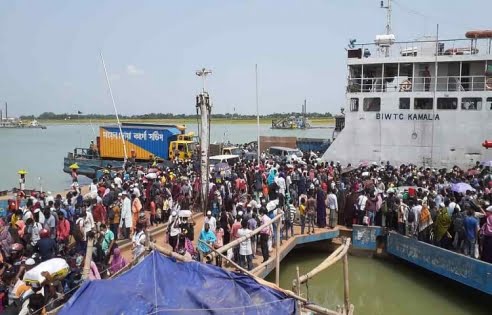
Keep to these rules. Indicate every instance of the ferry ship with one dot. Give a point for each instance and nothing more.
(426, 102)
(15, 123)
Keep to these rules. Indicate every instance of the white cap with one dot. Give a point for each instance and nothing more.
(489, 209)
(442, 205)
(30, 262)
(209, 212)
(174, 213)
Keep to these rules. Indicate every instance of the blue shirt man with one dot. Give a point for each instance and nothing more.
(471, 228)
(207, 236)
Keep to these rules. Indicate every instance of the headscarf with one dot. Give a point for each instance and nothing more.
(487, 226)
(443, 222)
(118, 262)
(425, 219)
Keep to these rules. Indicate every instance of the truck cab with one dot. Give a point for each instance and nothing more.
(231, 151)
(181, 149)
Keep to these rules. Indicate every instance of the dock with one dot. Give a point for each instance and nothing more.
(260, 269)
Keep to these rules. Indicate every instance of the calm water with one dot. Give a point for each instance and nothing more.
(383, 287)
(41, 152)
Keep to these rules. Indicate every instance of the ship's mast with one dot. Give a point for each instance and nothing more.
(388, 21)
(204, 107)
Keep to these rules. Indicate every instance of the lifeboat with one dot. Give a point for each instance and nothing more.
(487, 144)
(479, 34)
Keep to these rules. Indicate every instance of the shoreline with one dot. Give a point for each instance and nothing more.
(180, 121)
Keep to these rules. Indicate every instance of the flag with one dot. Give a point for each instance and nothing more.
(79, 112)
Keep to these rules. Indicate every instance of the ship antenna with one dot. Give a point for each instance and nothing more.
(388, 15)
(115, 110)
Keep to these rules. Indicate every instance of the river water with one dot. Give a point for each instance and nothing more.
(376, 286)
(41, 152)
(382, 287)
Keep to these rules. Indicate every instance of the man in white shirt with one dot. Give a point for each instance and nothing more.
(118, 181)
(138, 241)
(212, 222)
(361, 207)
(174, 229)
(126, 215)
(265, 234)
(332, 204)
(280, 181)
(245, 250)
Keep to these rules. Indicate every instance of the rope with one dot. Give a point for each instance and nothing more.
(234, 308)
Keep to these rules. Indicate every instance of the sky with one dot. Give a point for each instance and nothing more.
(50, 51)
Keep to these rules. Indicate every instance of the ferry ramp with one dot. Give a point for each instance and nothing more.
(260, 268)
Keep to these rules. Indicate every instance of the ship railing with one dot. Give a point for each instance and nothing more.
(449, 47)
(475, 83)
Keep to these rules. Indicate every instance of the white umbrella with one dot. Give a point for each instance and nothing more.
(151, 176)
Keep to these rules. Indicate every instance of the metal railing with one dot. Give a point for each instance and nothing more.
(420, 84)
(450, 47)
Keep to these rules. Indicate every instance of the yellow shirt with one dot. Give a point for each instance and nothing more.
(302, 209)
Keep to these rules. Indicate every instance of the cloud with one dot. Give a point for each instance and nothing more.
(133, 70)
(114, 77)
(67, 84)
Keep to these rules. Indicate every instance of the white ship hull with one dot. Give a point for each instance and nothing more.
(435, 138)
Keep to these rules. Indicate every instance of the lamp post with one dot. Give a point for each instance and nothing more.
(204, 107)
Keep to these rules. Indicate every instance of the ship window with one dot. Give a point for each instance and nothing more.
(447, 103)
(354, 104)
(423, 103)
(404, 103)
(489, 103)
(372, 104)
(471, 103)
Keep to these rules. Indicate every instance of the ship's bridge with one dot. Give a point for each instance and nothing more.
(463, 65)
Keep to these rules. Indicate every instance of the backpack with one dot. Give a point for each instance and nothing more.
(110, 214)
(411, 216)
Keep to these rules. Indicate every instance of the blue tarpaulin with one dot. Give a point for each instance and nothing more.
(160, 285)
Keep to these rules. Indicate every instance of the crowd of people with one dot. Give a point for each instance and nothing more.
(449, 208)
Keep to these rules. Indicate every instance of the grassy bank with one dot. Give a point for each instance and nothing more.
(185, 121)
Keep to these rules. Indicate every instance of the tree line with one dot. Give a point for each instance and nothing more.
(66, 116)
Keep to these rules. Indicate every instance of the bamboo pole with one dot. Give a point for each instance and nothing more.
(346, 283)
(305, 303)
(88, 256)
(169, 252)
(333, 258)
(277, 255)
(243, 238)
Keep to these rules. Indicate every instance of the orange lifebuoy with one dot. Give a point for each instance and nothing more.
(406, 86)
(487, 144)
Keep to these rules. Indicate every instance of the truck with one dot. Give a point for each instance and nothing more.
(144, 143)
(223, 149)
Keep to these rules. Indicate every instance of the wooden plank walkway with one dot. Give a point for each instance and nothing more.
(260, 269)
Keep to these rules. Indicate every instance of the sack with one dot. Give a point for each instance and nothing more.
(411, 216)
(78, 235)
(476, 254)
(57, 268)
(230, 254)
